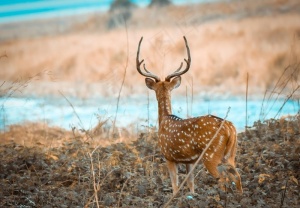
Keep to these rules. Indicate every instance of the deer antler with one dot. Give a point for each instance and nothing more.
(138, 65)
(188, 64)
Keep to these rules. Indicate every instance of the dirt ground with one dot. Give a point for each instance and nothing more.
(75, 170)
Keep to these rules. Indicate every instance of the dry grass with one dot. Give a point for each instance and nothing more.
(246, 36)
(35, 134)
(79, 172)
(42, 166)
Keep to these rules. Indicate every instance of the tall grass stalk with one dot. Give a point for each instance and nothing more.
(16, 86)
(74, 111)
(261, 113)
(246, 119)
(95, 185)
(187, 101)
(192, 97)
(283, 194)
(287, 99)
(278, 90)
(122, 191)
(123, 79)
(148, 109)
(191, 85)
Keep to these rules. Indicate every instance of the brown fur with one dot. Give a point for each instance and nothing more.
(183, 140)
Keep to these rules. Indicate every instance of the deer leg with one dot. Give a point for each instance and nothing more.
(233, 177)
(190, 181)
(172, 167)
(212, 168)
(217, 172)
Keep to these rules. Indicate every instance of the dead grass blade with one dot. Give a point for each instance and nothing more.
(123, 79)
(287, 77)
(283, 194)
(246, 119)
(74, 111)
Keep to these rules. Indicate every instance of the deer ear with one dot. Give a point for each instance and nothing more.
(176, 82)
(150, 83)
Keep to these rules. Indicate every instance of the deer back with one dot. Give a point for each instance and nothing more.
(183, 140)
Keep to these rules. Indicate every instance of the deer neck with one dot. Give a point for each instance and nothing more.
(164, 107)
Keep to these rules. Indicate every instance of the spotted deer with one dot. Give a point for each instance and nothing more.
(183, 140)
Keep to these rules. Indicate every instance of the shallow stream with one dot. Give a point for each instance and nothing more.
(67, 112)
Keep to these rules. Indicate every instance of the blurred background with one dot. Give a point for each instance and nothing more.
(72, 63)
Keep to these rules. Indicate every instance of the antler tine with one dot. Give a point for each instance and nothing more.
(187, 61)
(179, 67)
(139, 63)
(146, 70)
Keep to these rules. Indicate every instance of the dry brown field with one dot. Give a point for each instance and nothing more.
(46, 166)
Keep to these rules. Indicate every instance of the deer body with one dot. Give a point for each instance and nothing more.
(183, 140)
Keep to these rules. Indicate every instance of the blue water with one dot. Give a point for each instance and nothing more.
(17, 10)
(84, 113)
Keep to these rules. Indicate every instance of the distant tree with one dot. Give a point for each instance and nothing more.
(159, 3)
(120, 11)
(121, 5)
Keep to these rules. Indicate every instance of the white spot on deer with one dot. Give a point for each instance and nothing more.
(220, 142)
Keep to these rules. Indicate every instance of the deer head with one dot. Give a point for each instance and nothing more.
(163, 88)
